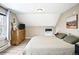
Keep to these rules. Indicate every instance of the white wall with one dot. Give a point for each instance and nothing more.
(12, 17)
(39, 19)
(36, 22)
(38, 30)
(61, 25)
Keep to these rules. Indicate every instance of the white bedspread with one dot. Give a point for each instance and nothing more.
(44, 45)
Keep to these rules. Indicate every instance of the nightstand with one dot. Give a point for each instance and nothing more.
(77, 48)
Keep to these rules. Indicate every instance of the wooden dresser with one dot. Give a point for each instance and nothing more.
(17, 36)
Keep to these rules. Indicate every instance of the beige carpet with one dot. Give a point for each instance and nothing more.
(16, 50)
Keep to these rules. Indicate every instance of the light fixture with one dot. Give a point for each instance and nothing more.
(40, 10)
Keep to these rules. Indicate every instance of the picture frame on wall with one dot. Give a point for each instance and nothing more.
(72, 22)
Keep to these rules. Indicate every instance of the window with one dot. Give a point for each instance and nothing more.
(3, 25)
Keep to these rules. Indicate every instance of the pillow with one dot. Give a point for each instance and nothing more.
(61, 35)
(71, 39)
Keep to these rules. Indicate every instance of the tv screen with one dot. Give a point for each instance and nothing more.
(48, 29)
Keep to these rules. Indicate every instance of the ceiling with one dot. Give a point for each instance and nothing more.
(34, 7)
(39, 14)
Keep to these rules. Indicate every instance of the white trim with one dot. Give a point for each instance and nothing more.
(8, 25)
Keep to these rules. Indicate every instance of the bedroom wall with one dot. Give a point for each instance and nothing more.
(36, 22)
(39, 19)
(12, 17)
(61, 25)
(37, 30)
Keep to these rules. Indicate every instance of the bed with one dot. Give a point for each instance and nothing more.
(46, 45)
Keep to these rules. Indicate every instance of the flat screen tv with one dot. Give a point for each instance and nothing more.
(46, 30)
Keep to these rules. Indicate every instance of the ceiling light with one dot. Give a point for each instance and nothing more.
(40, 10)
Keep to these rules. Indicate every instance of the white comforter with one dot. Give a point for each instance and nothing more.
(44, 45)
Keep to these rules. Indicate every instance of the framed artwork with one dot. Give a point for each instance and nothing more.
(72, 22)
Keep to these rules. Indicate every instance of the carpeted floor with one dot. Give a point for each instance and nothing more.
(16, 50)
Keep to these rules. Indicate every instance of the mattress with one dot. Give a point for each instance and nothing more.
(45, 45)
